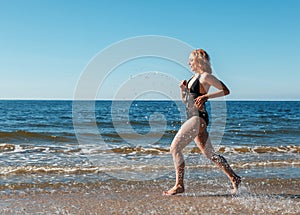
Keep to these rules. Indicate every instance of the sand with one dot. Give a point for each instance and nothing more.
(256, 196)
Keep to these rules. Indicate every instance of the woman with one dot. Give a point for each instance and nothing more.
(194, 94)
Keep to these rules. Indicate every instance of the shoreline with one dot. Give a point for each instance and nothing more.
(256, 196)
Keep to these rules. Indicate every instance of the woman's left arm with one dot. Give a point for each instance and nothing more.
(212, 81)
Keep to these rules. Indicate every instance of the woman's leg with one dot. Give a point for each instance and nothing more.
(205, 146)
(188, 131)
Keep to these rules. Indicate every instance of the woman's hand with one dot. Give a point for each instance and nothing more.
(183, 89)
(200, 100)
(182, 85)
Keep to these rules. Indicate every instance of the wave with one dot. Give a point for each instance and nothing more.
(20, 170)
(261, 149)
(21, 134)
(140, 150)
(223, 149)
(9, 147)
(253, 164)
(235, 150)
(134, 135)
(270, 163)
(79, 170)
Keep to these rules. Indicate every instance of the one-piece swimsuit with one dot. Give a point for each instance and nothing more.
(194, 92)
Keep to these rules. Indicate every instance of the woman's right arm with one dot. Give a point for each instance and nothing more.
(183, 90)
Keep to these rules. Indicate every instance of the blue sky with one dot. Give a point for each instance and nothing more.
(46, 44)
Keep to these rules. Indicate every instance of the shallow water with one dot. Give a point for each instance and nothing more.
(256, 196)
(130, 140)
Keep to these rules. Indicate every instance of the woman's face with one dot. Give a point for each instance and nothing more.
(194, 65)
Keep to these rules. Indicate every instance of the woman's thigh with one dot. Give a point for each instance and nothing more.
(203, 142)
(188, 131)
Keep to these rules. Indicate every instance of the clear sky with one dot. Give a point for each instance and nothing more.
(46, 44)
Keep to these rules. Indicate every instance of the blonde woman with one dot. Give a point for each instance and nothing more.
(194, 94)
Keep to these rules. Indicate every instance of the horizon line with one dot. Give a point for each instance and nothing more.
(61, 99)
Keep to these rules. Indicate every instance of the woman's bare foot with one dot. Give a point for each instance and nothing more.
(235, 183)
(175, 190)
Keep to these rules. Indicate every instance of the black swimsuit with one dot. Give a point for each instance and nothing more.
(194, 92)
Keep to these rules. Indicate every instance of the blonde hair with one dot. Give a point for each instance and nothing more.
(203, 58)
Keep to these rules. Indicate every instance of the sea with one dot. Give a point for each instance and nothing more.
(49, 145)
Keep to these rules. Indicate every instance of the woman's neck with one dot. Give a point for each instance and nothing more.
(200, 71)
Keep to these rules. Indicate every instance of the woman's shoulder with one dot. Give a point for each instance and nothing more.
(207, 78)
(205, 75)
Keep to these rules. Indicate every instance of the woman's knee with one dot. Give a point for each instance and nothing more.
(174, 149)
(202, 138)
(205, 147)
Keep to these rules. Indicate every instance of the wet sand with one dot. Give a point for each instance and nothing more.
(256, 196)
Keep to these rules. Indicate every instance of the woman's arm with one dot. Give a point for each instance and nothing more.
(212, 81)
(183, 90)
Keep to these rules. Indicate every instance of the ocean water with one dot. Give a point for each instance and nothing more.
(48, 144)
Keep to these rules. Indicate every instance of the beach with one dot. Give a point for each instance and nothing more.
(256, 196)
(102, 160)
(107, 106)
